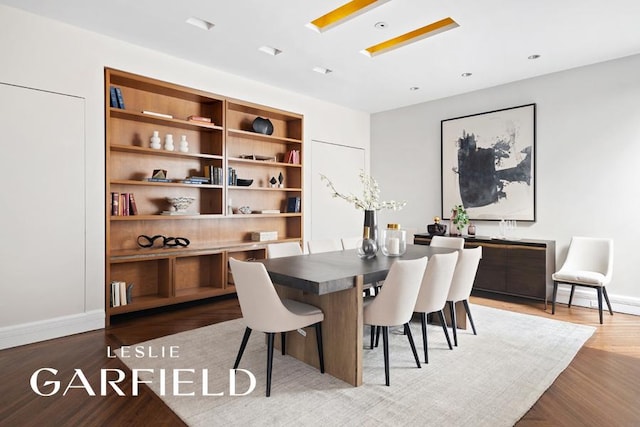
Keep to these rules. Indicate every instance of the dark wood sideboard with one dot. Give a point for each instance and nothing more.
(521, 268)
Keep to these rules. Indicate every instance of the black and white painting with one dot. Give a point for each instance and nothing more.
(488, 164)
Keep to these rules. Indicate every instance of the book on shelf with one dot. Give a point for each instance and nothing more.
(123, 204)
(159, 180)
(233, 177)
(292, 156)
(113, 97)
(119, 98)
(121, 293)
(213, 174)
(268, 211)
(115, 203)
(200, 119)
(133, 208)
(153, 113)
(293, 204)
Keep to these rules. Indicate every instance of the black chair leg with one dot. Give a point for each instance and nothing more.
(573, 288)
(373, 332)
(320, 349)
(407, 331)
(606, 298)
(385, 346)
(468, 310)
(377, 335)
(270, 339)
(553, 299)
(454, 325)
(600, 304)
(283, 342)
(245, 339)
(443, 322)
(423, 321)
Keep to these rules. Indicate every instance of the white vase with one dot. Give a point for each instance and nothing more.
(168, 142)
(155, 141)
(184, 144)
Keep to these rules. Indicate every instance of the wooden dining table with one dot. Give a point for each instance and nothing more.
(334, 282)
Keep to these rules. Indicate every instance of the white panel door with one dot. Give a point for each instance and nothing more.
(333, 217)
(42, 207)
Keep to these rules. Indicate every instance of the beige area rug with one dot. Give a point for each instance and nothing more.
(491, 379)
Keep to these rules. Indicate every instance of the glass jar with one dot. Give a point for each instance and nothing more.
(393, 240)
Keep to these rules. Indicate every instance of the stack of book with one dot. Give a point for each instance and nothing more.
(121, 293)
(200, 119)
(123, 204)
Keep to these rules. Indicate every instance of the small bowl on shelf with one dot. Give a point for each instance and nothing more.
(180, 203)
(244, 182)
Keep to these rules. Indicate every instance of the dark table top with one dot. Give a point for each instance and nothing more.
(327, 272)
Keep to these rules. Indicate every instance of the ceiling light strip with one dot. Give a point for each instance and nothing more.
(411, 37)
(343, 13)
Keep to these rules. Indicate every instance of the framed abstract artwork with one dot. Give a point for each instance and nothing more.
(488, 164)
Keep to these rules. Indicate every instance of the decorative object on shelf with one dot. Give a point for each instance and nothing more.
(262, 125)
(199, 119)
(258, 157)
(273, 181)
(368, 247)
(459, 220)
(155, 142)
(437, 229)
(229, 207)
(168, 142)
(180, 204)
(243, 182)
(369, 202)
(184, 144)
(471, 230)
(280, 180)
(171, 242)
(393, 241)
(246, 210)
(264, 236)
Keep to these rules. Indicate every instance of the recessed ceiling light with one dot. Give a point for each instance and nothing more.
(535, 56)
(411, 37)
(200, 23)
(412, 88)
(270, 50)
(322, 70)
(380, 25)
(343, 13)
(466, 74)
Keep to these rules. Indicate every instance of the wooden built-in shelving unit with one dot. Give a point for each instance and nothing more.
(164, 276)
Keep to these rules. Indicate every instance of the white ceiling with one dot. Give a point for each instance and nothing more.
(493, 41)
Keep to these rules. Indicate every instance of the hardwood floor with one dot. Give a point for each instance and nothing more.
(601, 386)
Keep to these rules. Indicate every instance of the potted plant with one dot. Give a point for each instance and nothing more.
(459, 219)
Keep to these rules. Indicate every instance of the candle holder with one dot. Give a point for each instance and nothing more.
(393, 240)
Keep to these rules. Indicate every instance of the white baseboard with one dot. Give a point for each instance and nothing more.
(27, 333)
(585, 297)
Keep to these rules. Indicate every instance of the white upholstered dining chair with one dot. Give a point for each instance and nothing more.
(350, 242)
(434, 289)
(447, 242)
(324, 245)
(264, 311)
(394, 304)
(278, 250)
(461, 285)
(589, 263)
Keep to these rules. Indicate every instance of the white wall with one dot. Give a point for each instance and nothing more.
(53, 56)
(588, 146)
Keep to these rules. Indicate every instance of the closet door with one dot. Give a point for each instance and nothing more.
(42, 205)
